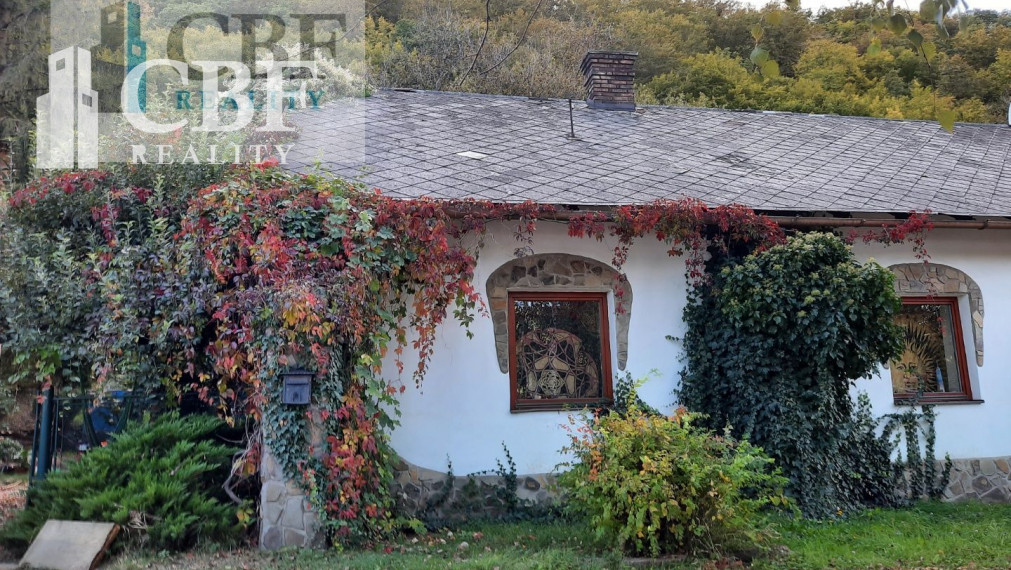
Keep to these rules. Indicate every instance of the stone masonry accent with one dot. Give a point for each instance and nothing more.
(286, 518)
(986, 479)
(416, 487)
(556, 272)
(983, 479)
(287, 521)
(937, 279)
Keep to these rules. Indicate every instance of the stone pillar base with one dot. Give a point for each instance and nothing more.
(286, 517)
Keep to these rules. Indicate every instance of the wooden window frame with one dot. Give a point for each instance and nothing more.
(961, 362)
(529, 405)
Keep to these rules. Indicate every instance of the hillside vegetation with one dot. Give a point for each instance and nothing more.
(847, 61)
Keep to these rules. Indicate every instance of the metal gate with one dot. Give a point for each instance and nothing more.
(67, 427)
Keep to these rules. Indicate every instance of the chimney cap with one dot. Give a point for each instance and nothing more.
(599, 52)
(593, 56)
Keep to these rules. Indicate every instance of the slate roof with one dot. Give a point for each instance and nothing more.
(408, 144)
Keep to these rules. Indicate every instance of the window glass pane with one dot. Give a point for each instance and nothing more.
(929, 362)
(558, 349)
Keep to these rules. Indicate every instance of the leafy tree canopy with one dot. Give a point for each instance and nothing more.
(866, 60)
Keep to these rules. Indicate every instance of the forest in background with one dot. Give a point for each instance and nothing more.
(847, 61)
(714, 53)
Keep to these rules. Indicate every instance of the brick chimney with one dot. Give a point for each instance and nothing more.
(608, 77)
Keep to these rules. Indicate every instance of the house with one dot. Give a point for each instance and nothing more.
(805, 170)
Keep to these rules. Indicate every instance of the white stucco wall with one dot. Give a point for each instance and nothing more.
(462, 409)
(966, 430)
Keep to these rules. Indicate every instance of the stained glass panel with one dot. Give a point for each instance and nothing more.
(559, 348)
(930, 361)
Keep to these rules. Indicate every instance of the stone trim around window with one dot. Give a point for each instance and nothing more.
(556, 272)
(938, 279)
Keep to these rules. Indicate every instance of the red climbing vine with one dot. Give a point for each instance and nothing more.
(219, 291)
(688, 226)
(914, 228)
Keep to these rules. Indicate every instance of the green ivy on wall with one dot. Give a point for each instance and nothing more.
(774, 344)
(215, 282)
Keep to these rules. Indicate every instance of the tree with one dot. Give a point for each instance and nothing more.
(979, 45)
(717, 79)
(958, 79)
(659, 38)
(785, 34)
(23, 50)
(835, 66)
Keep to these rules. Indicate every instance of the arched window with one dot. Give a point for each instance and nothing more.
(553, 321)
(934, 364)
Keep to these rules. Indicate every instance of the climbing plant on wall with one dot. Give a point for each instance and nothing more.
(216, 282)
(777, 332)
(773, 346)
(317, 273)
(688, 226)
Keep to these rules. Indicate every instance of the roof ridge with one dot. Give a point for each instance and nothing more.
(666, 107)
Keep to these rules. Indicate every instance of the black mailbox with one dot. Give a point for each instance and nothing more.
(297, 387)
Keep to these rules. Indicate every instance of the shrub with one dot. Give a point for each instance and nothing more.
(652, 484)
(11, 453)
(162, 481)
(626, 395)
(774, 344)
(95, 286)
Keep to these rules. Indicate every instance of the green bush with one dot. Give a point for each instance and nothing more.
(94, 285)
(652, 484)
(774, 344)
(162, 481)
(626, 395)
(12, 453)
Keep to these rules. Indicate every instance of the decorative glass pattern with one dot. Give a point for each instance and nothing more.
(560, 348)
(932, 362)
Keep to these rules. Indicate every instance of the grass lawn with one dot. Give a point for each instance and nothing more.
(930, 535)
(940, 535)
(12, 499)
(491, 545)
(7, 478)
